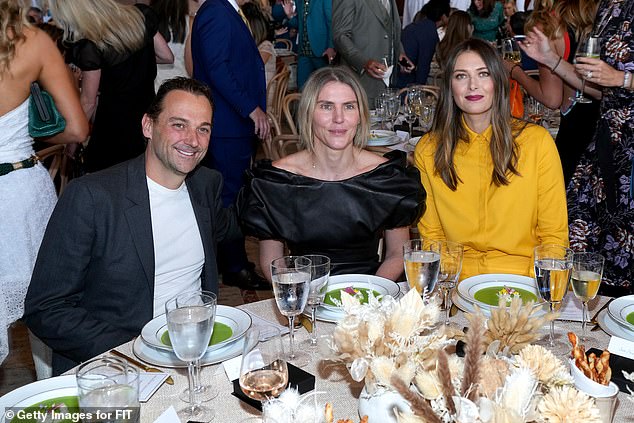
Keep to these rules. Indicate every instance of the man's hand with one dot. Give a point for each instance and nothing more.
(330, 54)
(407, 68)
(261, 121)
(375, 69)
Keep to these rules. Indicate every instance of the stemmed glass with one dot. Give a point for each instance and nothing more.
(190, 323)
(379, 108)
(291, 285)
(511, 51)
(391, 107)
(422, 264)
(320, 273)
(590, 47)
(426, 115)
(451, 254)
(587, 271)
(552, 272)
(409, 114)
(204, 393)
(416, 99)
(263, 370)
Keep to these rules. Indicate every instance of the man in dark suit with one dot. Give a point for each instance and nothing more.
(226, 58)
(122, 241)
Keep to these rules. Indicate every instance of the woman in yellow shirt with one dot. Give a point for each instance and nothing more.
(494, 183)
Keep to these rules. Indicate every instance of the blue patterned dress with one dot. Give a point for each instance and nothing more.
(600, 203)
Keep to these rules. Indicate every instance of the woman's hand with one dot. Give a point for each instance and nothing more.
(539, 48)
(289, 8)
(598, 72)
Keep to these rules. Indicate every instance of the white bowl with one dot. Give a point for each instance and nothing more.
(589, 386)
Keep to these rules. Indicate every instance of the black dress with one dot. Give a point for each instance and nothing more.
(343, 220)
(126, 89)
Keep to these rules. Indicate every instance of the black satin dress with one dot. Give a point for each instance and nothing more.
(343, 220)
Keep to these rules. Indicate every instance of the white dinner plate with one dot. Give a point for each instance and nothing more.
(612, 327)
(467, 288)
(42, 390)
(238, 320)
(164, 358)
(413, 141)
(381, 285)
(620, 308)
(326, 315)
(469, 307)
(381, 138)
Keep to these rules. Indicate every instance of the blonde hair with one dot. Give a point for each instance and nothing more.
(12, 23)
(578, 14)
(104, 22)
(308, 102)
(543, 16)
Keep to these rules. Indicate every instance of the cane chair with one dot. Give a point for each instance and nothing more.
(289, 107)
(276, 91)
(56, 162)
(429, 90)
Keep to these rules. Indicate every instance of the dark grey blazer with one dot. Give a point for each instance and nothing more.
(93, 283)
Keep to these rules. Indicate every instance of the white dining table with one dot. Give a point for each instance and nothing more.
(331, 378)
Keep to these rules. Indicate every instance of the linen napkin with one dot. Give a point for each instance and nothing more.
(387, 75)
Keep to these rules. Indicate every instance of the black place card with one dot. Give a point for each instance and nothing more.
(297, 378)
(618, 364)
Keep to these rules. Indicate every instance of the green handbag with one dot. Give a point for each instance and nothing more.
(44, 118)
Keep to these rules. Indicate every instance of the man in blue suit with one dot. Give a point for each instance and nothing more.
(314, 28)
(226, 58)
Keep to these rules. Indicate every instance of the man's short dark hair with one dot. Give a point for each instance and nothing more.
(517, 22)
(434, 10)
(181, 83)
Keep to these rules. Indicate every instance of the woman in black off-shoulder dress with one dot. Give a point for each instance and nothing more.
(333, 198)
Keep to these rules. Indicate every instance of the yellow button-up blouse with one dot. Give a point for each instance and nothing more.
(498, 225)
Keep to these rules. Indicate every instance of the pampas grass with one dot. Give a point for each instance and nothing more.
(419, 405)
(444, 375)
(473, 353)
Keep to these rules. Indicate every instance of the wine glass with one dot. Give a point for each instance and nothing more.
(409, 114)
(416, 99)
(590, 47)
(451, 254)
(291, 285)
(587, 270)
(207, 392)
(426, 115)
(263, 370)
(391, 107)
(422, 264)
(511, 51)
(190, 323)
(552, 272)
(379, 108)
(320, 273)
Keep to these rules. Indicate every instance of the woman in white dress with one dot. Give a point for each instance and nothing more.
(26, 191)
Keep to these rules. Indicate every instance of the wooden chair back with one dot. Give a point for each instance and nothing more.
(276, 91)
(56, 162)
(289, 107)
(429, 90)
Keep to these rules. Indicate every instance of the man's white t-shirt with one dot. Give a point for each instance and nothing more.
(178, 249)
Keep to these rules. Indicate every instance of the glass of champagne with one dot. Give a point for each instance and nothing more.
(511, 51)
(263, 369)
(320, 273)
(590, 47)
(552, 273)
(291, 285)
(416, 99)
(587, 271)
(451, 254)
(422, 264)
(190, 323)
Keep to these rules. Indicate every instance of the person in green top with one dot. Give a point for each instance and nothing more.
(487, 16)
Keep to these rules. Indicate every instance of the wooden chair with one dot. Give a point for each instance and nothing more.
(54, 159)
(279, 145)
(289, 106)
(276, 91)
(288, 44)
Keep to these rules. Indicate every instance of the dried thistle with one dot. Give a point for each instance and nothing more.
(493, 373)
(473, 353)
(547, 368)
(566, 404)
(419, 405)
(514, 326)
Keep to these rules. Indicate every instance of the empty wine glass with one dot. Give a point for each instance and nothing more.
(190, 324)
(451, 254)
(320, 273)
(263, 369)
(379, 108)
(587, 271)
(422, 264)
(426, 115)
(590, 47)
(291, 285)
(204, 392)
(552, 273)
(391, 107)
(409, 114)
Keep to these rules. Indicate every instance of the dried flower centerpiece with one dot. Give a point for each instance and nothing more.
(386, 337)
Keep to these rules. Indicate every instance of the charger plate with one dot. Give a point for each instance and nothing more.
(612, 327)
(622, 311)
(42, 391)
(164, 358)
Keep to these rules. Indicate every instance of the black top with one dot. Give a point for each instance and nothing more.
(343, 220)
(126, 88)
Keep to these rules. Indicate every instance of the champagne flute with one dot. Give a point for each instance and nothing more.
(590, 47)
(291, 285)
(320, 273)
(415, 98)
(263, 370)
(587, 271)
(426, 116)
(511, 51)
(451, 254)
(391, 107)
(207, 392)
(190, 324)
(552, 272)
(422, 264)
(410, 115)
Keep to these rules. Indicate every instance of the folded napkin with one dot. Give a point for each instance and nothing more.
(387, 75)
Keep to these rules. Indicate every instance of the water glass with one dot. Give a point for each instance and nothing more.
(587, 271)
(110, 385)
(320, 274)
(190, 322)
(291, 278)
(422, 264)
(552, 273)
(451, 255)
(263, 369)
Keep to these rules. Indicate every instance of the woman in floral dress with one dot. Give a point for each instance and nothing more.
(600, 194)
